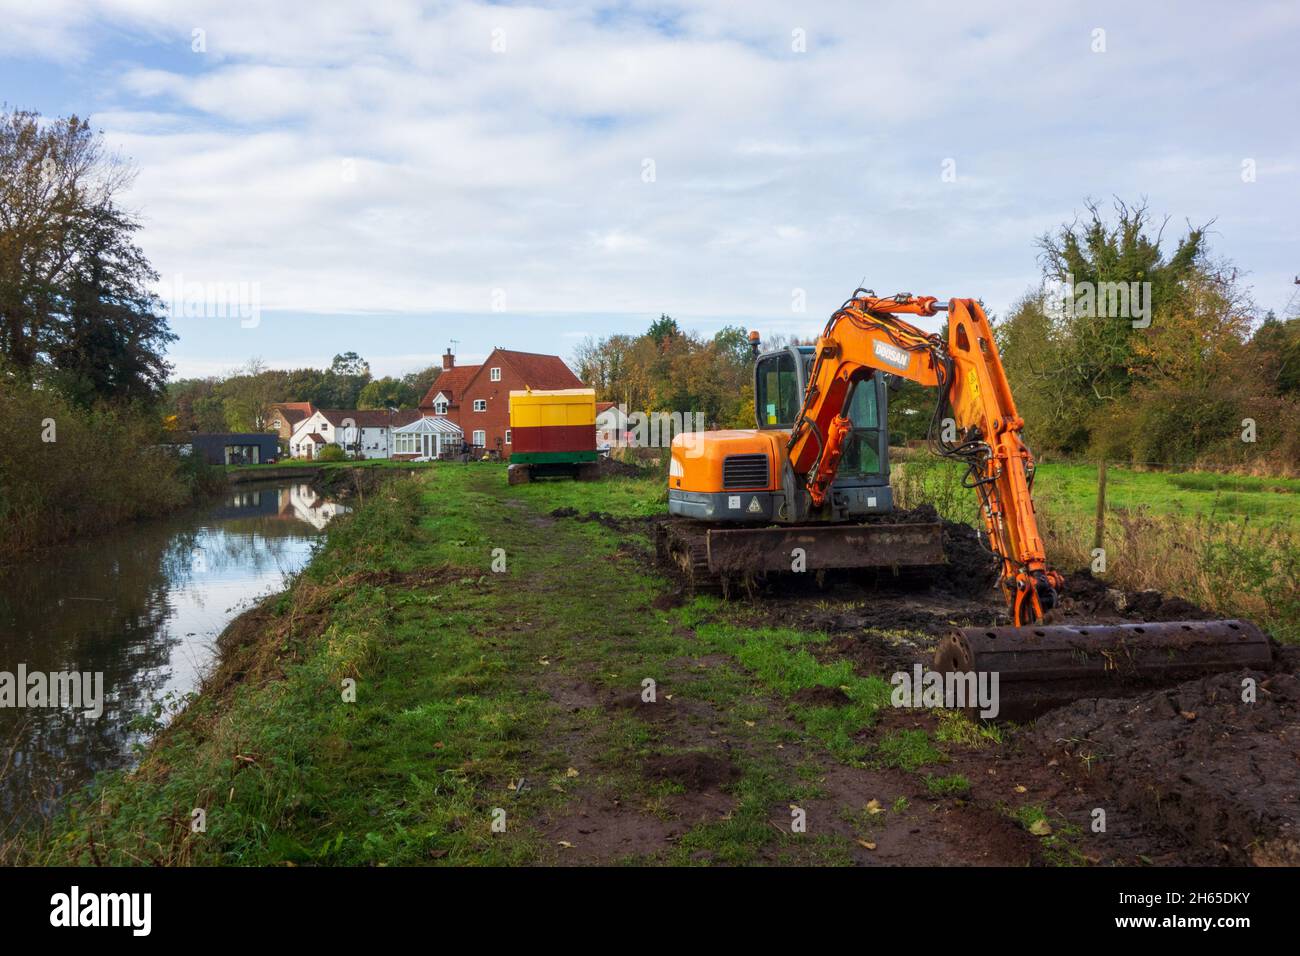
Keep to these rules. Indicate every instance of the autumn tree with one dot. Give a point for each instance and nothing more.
(669, 370)
(76, 308)
(388, 393)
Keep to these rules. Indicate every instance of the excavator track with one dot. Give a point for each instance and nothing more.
(683, 546)
(731, 561)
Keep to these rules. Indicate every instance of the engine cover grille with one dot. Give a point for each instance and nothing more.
(744, 471)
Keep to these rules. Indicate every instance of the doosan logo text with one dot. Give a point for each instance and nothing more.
(891, 355)
(103, 909)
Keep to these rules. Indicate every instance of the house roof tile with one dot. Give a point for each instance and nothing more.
(541, 371)
(451, 382)
(370, 417)
(295, 411)
(537, 371)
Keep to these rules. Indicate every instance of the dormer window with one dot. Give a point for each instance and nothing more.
(440, 407)
(494, 374)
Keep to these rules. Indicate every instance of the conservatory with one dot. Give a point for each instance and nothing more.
(427, 438)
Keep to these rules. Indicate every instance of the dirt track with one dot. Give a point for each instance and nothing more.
(1185, 775)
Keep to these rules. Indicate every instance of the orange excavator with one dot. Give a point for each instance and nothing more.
(808, 490)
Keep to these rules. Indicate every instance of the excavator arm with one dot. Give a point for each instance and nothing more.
(866, 336)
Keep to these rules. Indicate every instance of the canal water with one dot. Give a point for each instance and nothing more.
(143, 606)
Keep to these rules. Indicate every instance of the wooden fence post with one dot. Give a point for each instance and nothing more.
(1098, 538)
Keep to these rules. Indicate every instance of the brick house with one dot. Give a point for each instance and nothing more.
(477, 397)
(284, 417)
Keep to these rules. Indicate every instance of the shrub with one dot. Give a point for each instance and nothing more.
(103, 466)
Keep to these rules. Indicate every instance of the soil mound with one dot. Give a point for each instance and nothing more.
(1222, 771)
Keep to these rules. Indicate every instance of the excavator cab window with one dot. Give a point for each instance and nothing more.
(779, 390)
(862, 450)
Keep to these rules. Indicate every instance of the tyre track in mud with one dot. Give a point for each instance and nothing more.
(705, 753)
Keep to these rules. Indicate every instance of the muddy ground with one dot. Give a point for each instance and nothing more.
(1190, 774)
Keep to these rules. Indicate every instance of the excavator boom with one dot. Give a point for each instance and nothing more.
(866, 336)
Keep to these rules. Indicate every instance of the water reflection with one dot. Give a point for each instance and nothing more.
(144, 606)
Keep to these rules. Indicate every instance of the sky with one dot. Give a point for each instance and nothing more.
(396, 178)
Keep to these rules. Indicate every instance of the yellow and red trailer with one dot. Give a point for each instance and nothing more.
(552, 432)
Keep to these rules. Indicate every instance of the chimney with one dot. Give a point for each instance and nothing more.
(448, 360)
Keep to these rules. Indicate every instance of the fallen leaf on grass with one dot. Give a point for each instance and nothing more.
(869, 846)
(571, 772)
(1040, 828)
(873, 807)
(1021, 789)
(566, 844)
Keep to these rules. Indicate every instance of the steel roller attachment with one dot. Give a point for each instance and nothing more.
(1039, 668)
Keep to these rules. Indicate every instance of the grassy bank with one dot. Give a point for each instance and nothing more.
(478, 693)
(406, 703)
(68, 471)
(289, 464)
(1228, 543)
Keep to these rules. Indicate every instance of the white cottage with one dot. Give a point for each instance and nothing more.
(363, 434)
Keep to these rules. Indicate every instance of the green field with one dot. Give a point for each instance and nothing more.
(1230, 544)
(1070, 490)
(1185, 494)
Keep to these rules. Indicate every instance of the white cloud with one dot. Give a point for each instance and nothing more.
(369, 157)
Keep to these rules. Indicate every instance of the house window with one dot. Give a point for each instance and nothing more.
(440, 407)
(494, 374)
(480, 437)
(507, 436)
(480, 404)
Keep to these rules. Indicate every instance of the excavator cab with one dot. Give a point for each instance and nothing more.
(861, 485)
